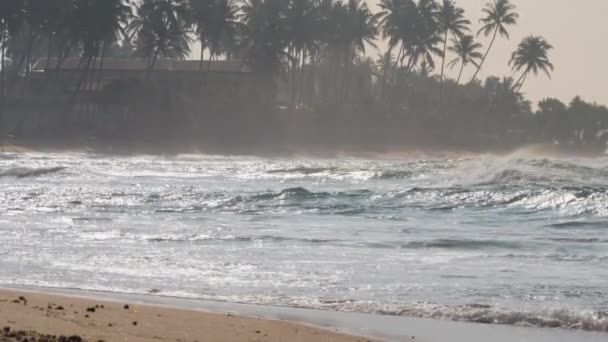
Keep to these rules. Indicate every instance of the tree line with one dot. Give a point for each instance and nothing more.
(329, 41)
(271, 36)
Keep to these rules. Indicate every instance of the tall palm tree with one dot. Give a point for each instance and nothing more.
(358, 29)
(98, 24)
(61, 31)
(499, 15)
(302, 22)
(466, 49)
(222, 27)
(384, 65)
(214, 22)
(11, 13)
(201, 13)
(451, 20)
(422, 44)
(532, 55)
(263, 38)
(162, 30)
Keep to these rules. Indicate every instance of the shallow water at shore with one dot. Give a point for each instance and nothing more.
(514, 239)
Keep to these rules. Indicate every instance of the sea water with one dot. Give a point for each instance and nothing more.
(511, 239)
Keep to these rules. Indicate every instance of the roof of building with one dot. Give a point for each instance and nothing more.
(138, 64)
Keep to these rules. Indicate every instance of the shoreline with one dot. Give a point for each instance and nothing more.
(43, 313)
(341, 326)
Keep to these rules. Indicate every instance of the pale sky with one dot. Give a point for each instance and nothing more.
(578, 31)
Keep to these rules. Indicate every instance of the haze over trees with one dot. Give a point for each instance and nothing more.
(311, 57)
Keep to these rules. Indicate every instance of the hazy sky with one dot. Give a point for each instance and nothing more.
(579, 34)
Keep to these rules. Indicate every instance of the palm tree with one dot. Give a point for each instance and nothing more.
(302, 22)
(358, 29)
(498, 16)
(384, 64)
(222, 27)
(215, 24)
(421, 44)
(466, 49)
(11, 12)
(97, 25)
(263, 38)
(201, 10)
(451, 20)
(532, 56)
(162, 30)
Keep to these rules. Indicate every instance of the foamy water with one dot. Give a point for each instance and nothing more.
(513, 240)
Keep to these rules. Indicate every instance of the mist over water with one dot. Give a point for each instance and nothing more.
(514, 239)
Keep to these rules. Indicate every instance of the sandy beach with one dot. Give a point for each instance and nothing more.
(39, 317)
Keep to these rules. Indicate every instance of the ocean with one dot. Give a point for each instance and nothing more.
(514, 239)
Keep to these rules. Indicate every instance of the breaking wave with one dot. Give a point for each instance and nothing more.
(555, 318)
(23, 172)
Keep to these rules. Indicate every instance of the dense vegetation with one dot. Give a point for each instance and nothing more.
(320, 51)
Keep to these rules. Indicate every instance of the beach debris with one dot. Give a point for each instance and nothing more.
(126, 307)
(134, 323)
(6, 330)
(60, 308)
(91, 309)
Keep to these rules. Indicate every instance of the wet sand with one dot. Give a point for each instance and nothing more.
(39, 317)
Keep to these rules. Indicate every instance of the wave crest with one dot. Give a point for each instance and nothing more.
(24, 172)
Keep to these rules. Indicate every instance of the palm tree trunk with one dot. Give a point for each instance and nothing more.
(211, 55)
(200, 66)
(485, 56)
(101, 63)
(300, 84)
(83, 76)
(152, 64)
(49, 53)
(445, 50)
(30, 45)
(460, 73)
(2, 71)
(521, 80)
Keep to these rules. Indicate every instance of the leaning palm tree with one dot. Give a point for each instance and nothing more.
(498, 16)
(466, 49)
(451, 20)
(532, 55)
